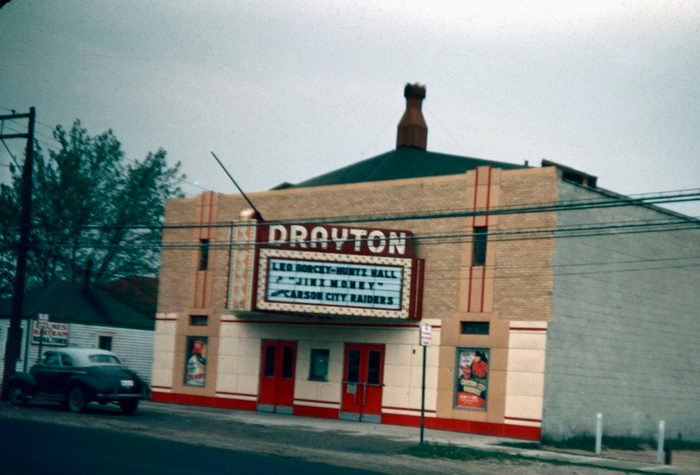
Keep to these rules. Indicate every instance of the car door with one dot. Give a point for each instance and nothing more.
(66, 370)
(46, 373)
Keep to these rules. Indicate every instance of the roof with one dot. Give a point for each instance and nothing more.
(401, 163)
(138, 292)
(81, 355)
(70, 303)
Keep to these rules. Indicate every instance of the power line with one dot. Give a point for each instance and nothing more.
(691, 195)
(436, 239)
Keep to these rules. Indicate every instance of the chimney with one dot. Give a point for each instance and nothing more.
(412, 129)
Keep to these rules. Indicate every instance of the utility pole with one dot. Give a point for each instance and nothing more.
(14, 334)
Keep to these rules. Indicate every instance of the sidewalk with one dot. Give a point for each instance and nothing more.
(409, 436)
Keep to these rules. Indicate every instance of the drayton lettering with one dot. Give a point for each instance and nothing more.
(340, 239)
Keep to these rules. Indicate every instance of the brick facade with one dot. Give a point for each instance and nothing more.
(454, 291)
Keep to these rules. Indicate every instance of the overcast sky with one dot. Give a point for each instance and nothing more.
(287, 90)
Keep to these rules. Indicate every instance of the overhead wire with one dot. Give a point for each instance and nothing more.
(574, 205)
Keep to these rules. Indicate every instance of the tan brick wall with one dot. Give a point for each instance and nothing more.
(517, 278)
(524, 277)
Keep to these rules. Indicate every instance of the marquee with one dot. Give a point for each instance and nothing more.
(335, 270)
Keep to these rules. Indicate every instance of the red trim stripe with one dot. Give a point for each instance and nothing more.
(528, 329)
(166, 319)
(469, 293)
(336, 403)
(523, 419)
(407, 409)
(483, 288)
(236, 394)
(483, 270)
(455, 425)
(488, 195)
(208, 401)
(476, 193)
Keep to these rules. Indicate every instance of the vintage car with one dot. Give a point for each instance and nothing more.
(77, 376)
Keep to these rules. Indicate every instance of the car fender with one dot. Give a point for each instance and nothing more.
(27, 379)
(82, 380)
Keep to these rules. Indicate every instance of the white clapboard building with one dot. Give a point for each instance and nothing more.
(86, 318)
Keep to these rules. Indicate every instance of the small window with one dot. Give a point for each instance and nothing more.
(479, 248)
(104, 360)
(51, 359)
(318, 369)
(203, 254)
(475, 328)
(353, 366)
(374, 367)
(104, 342)
(270, 353)
(288, 362)
(66, 360)
(198, 320)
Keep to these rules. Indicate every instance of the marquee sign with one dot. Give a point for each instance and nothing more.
(340, 239)
(337, 271)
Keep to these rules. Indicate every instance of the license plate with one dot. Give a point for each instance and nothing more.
(127, 383)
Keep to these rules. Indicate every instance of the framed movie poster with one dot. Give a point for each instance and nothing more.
(472, 378)
(196, 361)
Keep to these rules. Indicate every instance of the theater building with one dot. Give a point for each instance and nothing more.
(543, 306)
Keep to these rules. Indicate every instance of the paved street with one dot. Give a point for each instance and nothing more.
(30, 447)
(164, 438)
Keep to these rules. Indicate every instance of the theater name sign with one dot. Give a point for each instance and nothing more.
(334, 270)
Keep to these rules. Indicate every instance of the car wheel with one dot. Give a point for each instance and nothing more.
(128, 406)
(77, 399)
(17, 394)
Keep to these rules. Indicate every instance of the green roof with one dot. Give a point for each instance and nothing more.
(401, 163)
(70, 303)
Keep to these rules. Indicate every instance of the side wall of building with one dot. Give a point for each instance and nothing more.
(624, 338)
(134, 346)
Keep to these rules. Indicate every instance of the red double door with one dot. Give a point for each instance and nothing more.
(363, 382)
(277, 369)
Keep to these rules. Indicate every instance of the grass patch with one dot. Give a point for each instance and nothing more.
(680, 444)
(587, 443)
(435, 451)
(430, 450)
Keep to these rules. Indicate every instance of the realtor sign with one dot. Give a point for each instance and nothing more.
(54, 334)
(328, 273)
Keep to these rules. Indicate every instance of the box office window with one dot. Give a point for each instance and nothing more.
(479, 248)
(472, 378)
(198, 320)
(318, 366)
(474, 328)
(196, 361)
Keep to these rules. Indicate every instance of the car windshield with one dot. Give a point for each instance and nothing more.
(104, 360)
